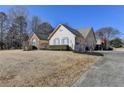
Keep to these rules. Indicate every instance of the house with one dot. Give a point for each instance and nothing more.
(77, 40)
(102, 44)
(38, 40)
(89, 36)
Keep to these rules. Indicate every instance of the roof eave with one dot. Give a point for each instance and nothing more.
(54, 31)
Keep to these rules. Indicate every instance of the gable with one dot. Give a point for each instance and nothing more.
(62, 32)
(33, 36)
(85, 31)
(92, 34)
(54, 31)
(71, 30)
(62, 35)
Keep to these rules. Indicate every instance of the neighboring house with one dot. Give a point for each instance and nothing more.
(89, 36)
(38, 40)
(102, 44)
(65, 35)
(99, 44)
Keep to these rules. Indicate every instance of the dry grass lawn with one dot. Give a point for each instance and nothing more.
(42, 68)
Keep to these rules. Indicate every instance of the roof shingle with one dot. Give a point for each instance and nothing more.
(41, 36)
(85, 31)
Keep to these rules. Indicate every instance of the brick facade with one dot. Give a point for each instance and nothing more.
(39, 43)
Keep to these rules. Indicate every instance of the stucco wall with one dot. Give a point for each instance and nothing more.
(61, 33)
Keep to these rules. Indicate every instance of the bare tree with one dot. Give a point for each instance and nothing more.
(16, 11)
(18, 18)
(21, 26)
(35, 23)
(3, 28)
(12, 38)
(107, 33)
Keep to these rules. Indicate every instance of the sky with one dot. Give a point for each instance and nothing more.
(78, 16)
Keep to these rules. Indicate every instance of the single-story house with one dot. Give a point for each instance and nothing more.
(78, 40)
(38, 40)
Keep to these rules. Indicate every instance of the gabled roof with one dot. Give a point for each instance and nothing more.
(41, 36)
(74, 31)
(85, 31)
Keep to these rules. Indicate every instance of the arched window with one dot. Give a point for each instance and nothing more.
(56, 41)
(34, 43)
(65, 41)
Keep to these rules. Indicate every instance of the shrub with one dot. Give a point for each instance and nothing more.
(117, 42)
(110, 48)
(58, 47)
(34, 48)
(45, 47)
(27, 48)
(90, 53)
(2, 45)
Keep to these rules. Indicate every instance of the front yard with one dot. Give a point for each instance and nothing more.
(42, 68)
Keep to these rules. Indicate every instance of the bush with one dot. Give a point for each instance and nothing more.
(34, 48)
(110, 48)
(27, 48)
(58, 47)
(117, 42)
(2, 45)
(90, 53)
(45, 47)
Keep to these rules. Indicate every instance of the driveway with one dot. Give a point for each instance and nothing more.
(107, 73)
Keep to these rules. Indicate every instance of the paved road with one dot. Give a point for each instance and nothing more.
(108, 73)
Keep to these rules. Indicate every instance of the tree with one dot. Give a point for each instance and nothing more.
(18, 15)
(40, 27)
(21, 25)
(35, 23)
(12, 38)
(107, 33)
(3, 29)
(45, 28)
(16, 11)
(117, 42)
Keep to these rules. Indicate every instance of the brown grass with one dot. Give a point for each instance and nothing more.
(42, 68)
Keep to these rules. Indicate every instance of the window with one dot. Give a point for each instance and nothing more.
(34, 43)
(62, 41)
(60, 30)
(65, 41)
(56, 41)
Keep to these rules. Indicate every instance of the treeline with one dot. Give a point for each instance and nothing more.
(16, 27)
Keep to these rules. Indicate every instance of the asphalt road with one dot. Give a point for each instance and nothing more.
(107, 73)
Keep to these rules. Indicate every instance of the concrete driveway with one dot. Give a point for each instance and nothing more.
(107, 73)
